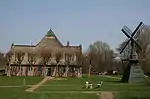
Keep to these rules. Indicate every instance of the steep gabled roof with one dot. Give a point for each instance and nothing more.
(50, 33)
(49, 40)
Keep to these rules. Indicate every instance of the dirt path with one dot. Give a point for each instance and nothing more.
(34, 87)
(106, 95)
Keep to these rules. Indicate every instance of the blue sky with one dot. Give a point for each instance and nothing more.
(79, 21)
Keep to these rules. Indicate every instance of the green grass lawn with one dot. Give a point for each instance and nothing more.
(13, 81)
(71, 88)
(75, 84)
(120, 90)
(19, 93)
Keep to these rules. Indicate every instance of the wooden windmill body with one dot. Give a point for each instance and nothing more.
(133, 72)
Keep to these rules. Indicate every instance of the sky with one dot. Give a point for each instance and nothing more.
(78, 21)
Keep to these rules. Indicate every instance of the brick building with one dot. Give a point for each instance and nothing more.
(49, 57)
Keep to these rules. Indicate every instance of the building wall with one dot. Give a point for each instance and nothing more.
(50, 43)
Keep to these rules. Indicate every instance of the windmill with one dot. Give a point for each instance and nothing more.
(133, 64)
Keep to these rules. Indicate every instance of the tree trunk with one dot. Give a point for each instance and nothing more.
(60, 71)
(66, 71)
(78, 71)
(44, 71)
(55, 70)
(89, 73)
(9, 70)
(23, 71)
(19, 70)
(56, 74)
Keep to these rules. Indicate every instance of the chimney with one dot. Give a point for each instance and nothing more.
(80, 47)
(68, 43)
(12, 44)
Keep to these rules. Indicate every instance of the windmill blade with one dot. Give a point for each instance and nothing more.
(139, 32)
(126, 29)
(131, 38)
(128, 35)
(137, 29)
(125, 33)
(125, 46)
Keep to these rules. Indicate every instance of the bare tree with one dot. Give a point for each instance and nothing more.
(79, 58)
(143, 40)
(90, 57)
(68, 59)
(85, 64)
(19, 56)
(46, 55)
(2, 61)
(58, 56)
(8, 58)
(79, 61)
(100, 56)
(31, 59)
(109, 60)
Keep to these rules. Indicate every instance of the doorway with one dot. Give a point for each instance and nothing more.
(49, 72)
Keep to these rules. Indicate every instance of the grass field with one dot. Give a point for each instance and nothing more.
(12, 81)
(70, 88)
(12, 88)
